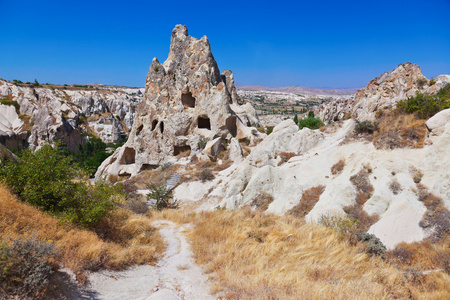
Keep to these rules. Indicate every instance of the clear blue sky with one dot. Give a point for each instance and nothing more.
(272, 43)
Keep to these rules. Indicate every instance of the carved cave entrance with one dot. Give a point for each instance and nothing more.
(188, 100)
(180, 149)
(203, 122)
(128, 157)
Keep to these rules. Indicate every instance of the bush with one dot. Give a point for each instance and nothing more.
(202, 143)
(45, 179)
(426, 105)
(25, 267)
(373, 245)
(311, 122)
(162, 196)
(366, 127)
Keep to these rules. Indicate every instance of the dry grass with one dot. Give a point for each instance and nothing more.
(309, 198)
(436, 219)
(124, 238)
(338, 167)
(252, 255)
(426, 255)
(262, 200)
(286, 156)
(396, 130)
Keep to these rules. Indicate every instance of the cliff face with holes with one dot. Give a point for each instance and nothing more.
(33, 116)
(186, 99)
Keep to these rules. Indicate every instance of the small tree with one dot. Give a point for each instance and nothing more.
(163, 197)
(296, 119)
(36, 83)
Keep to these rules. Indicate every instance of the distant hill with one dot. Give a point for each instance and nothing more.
(300, 89)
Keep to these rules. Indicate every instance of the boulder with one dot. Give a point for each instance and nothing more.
(436, 124)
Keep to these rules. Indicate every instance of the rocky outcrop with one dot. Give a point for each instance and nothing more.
(385, 91)
(285, 138)
(186, 98)
(64, 113)
(334, 110)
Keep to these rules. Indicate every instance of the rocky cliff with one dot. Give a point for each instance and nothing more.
(32, 116)
(186, 99)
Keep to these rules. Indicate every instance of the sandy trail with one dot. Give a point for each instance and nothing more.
(176, 276)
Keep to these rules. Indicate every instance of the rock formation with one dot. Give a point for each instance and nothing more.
(385, 91)
(186, 99)
(43, 115)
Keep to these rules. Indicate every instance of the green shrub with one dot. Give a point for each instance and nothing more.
(45, 179)
(202, 143)
(311, 122)
(25, 268)
(162, 196)
(426, 105)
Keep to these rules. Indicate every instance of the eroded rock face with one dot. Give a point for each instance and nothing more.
(335, 110)
(47, 114)
(185, 98)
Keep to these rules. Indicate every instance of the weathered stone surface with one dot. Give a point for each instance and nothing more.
(185, 98)
(286, 137)
(436, 124)
(235, 154)
(334, 110)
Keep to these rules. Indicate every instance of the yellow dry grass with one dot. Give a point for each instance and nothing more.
(251, 255)
(126, 238)
(396, 130)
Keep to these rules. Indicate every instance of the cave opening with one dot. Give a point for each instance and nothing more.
(188, 100)
(204, 123)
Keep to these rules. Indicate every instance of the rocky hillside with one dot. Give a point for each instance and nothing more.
(33, 115)
(383, 92)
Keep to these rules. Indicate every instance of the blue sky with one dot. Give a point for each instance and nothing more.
(271, 43)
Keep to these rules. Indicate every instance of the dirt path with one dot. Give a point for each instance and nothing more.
(176, 276)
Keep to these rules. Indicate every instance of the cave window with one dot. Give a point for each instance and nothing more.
(231, 125)
(161, 127)
(204, 123)
(180, 149)
(128, 157)
(139, 129)
(154, 124)
(146, 167)
(188, 100)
